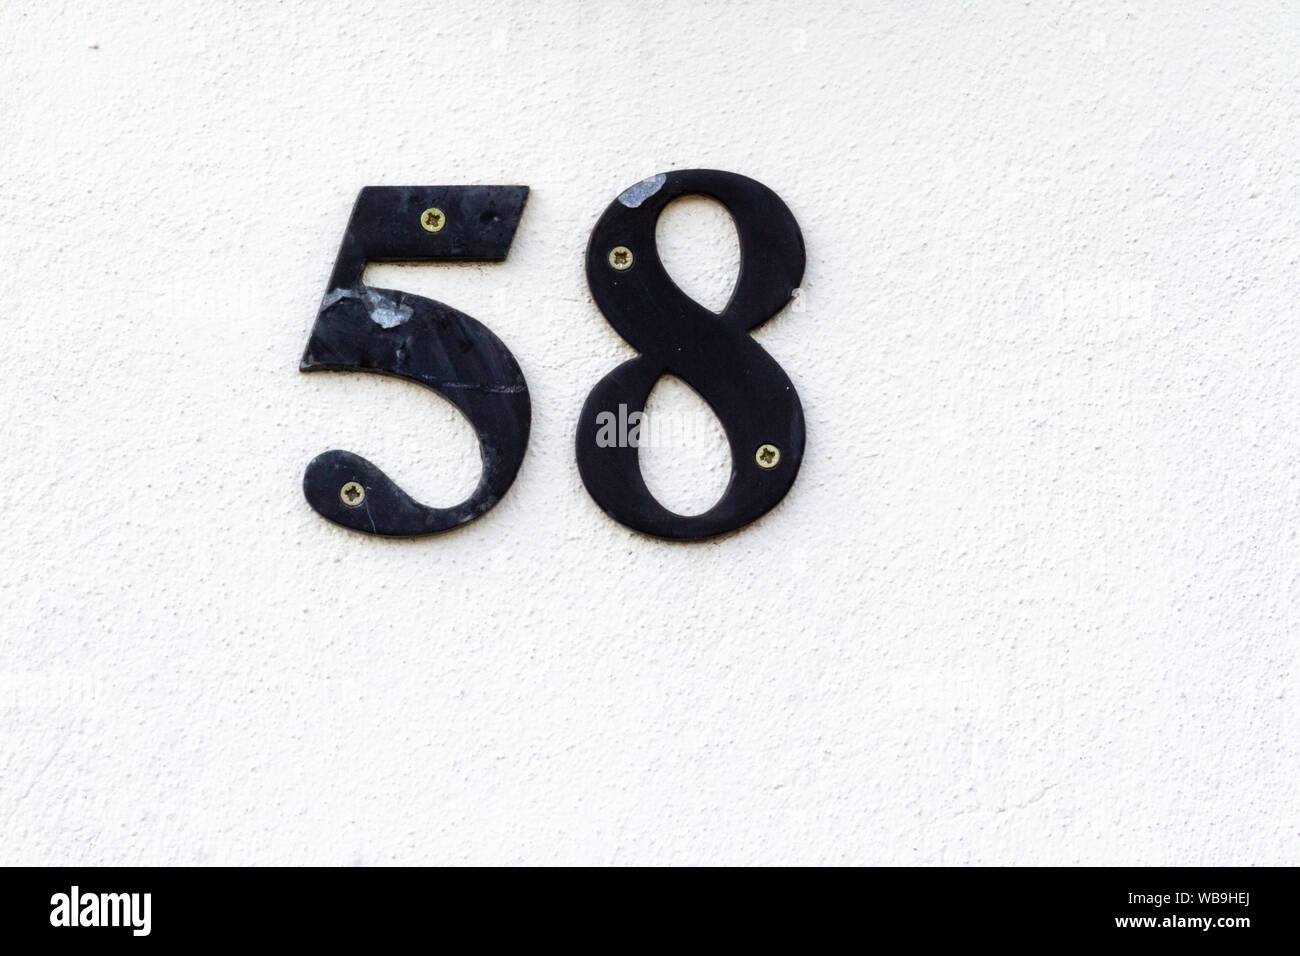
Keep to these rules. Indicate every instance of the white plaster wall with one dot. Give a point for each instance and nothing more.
(1032, 599)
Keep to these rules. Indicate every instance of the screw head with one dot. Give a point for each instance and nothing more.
(620, 258)
(433, 219)
(352, 494)
(767, 456)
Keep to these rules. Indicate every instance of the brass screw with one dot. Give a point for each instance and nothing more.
(352, 494)
(767, 456)
(620, 258)
(433, 219)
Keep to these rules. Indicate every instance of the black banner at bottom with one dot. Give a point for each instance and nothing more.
(138, 907)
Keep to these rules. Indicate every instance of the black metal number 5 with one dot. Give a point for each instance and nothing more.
(365, 329)
(714, 353)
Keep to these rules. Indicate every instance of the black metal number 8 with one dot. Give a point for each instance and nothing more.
(714, 353)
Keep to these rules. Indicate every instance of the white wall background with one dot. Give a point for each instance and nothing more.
(1032, 599)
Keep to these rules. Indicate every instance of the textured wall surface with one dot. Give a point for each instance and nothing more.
(1032, 599)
